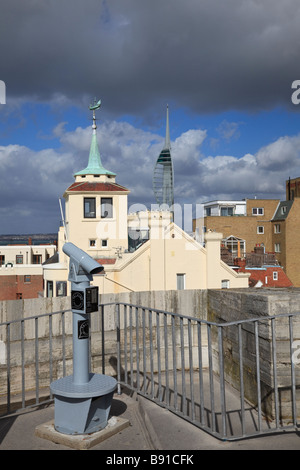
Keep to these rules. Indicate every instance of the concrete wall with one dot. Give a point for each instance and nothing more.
(220, 306)
(191, 303)
(230, 306)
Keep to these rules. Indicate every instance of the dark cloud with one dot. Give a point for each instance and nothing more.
(206, 55)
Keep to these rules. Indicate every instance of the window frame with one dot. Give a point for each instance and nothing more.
(277, 228)
(103, 206)
(260, 232)
(180, 281)
(258, 209)
(58, 286)
(226, 209)
(225, 284)
(89, 214)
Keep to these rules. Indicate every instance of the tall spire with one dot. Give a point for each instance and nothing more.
(163, 179)
(95, 166)
(167, 140)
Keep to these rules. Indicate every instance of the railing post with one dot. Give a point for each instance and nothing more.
(102, 339)
(118, 348)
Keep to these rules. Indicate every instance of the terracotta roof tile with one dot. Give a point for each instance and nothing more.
(87, 186)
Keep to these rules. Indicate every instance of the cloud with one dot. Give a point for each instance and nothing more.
(228, 130)
(32, 181)
(280, 155)
(209, 56)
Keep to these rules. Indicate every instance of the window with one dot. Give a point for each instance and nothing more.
(2, 260)
(104, 243)
(283, 209)
(36, 259)
(89, 207)
(226, 211)
(208, 211)
(225, 283)
(180, 281)
(277, 228)
(277, 248)
(106, 208)
(260, 229)
(49, 288)
(27, 279)
(61, 288)
(236, 246)
(92, 243)
(275, 276)
(257, 211)
(19, 259)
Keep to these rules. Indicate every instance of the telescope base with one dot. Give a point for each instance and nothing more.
(82, 408)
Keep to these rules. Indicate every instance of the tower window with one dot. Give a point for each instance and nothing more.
(89, 206)
(106, 208)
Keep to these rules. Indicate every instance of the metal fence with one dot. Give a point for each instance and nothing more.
(233, 380)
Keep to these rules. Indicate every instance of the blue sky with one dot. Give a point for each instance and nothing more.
(225, 68)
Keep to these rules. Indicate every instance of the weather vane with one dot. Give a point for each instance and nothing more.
(96, 105)
(93, 108)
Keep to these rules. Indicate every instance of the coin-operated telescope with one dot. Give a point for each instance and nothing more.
(82, 400)
(84, 298)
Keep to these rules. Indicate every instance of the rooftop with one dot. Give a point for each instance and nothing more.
(87, 186)
(151, 428)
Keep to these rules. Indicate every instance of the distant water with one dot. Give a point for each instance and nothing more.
(39, 239)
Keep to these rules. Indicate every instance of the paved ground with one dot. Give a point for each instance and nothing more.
(151, 428)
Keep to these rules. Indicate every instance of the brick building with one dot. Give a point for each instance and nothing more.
(21, 286)
(21, 272)
(243, 231)
(268, 223)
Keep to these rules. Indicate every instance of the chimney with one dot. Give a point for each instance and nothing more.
(241, 263)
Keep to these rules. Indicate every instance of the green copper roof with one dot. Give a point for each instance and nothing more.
(94, 164)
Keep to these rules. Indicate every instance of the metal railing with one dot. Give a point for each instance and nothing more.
(233, 380)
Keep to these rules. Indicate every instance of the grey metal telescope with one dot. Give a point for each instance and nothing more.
(81, 264)
(83, 399)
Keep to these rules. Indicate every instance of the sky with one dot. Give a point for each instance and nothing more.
(227, 69)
